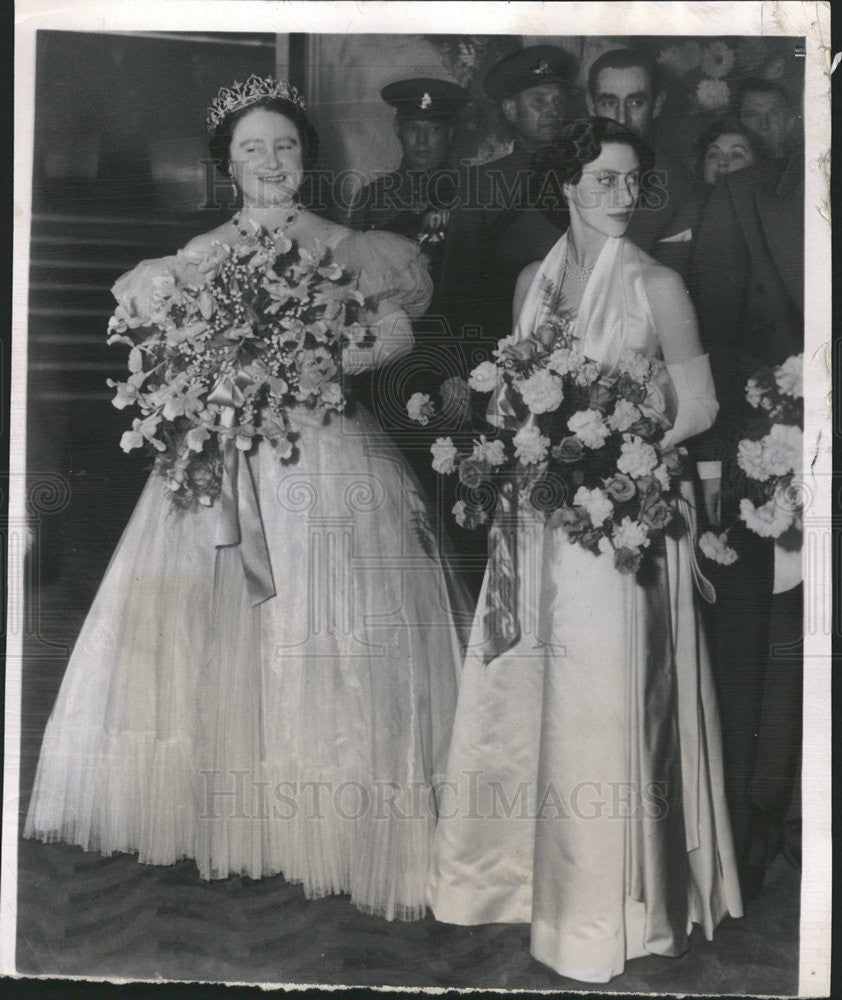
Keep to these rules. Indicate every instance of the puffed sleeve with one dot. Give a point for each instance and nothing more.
(140, 292)
(390, 269)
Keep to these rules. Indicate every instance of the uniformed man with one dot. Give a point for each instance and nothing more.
(498, 229)
(415, 200)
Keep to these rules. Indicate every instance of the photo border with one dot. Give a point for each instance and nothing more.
(533, 19)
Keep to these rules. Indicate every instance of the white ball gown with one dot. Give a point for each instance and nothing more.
(584, 779)
(299, 736)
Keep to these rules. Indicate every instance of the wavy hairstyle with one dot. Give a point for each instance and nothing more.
(727, 126)
(220, 142)
(580, 142)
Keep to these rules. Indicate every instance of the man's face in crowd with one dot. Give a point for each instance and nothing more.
(768, 116)
(425, 142)
(626, 96)
(536, 114)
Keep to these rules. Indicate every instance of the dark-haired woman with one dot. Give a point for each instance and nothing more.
(585, 774)
(724, 146)
(299, 735)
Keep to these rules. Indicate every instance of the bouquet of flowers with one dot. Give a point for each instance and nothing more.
(769, 458)
(222, 345)
(581, 447)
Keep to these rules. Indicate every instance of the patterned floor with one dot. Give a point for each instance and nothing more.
(80, 914)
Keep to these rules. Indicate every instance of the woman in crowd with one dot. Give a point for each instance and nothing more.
(585, 773)
(263, 738)
(724, 146)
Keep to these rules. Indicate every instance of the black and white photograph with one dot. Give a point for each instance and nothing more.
(419, 540)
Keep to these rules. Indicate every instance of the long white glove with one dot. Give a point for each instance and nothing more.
(697, 405)
(393, 339)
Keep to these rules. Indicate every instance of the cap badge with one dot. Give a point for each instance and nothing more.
(426, 101)
(542, 68)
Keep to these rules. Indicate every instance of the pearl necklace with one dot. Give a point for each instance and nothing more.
(576, 271)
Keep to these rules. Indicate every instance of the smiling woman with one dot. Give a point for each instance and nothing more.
(272, 627)
(258, 142)
(266, 159)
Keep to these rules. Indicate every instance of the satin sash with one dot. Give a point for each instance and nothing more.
(614, 315)
(240, 522)
(501, 626)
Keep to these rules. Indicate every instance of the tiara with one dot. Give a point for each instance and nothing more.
(241, 95)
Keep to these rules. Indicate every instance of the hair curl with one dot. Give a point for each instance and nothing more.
(580, 142)
(220, 142)
(727, 126)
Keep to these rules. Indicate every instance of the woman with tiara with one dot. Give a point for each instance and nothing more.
(299, 735)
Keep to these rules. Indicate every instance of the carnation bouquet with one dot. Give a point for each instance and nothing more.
(583, 448)
(769, 459)
(223, 346)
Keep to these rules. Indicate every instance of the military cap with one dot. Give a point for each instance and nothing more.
(425, 97)
(530, 67)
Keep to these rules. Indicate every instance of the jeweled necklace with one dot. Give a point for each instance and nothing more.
(579, 274)
(294, 212)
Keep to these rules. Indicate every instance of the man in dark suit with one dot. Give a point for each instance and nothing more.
(749, 295)
(623, 84)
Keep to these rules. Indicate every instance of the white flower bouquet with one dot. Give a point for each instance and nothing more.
(581, 447)
(223, 345)
(769, 459)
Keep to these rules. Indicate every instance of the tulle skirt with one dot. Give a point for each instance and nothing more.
(299, 736)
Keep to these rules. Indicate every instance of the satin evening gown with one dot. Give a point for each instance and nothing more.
(300, 736)
(584, 780)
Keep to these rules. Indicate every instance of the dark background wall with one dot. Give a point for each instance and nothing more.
(119, 175)
(120, 118)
